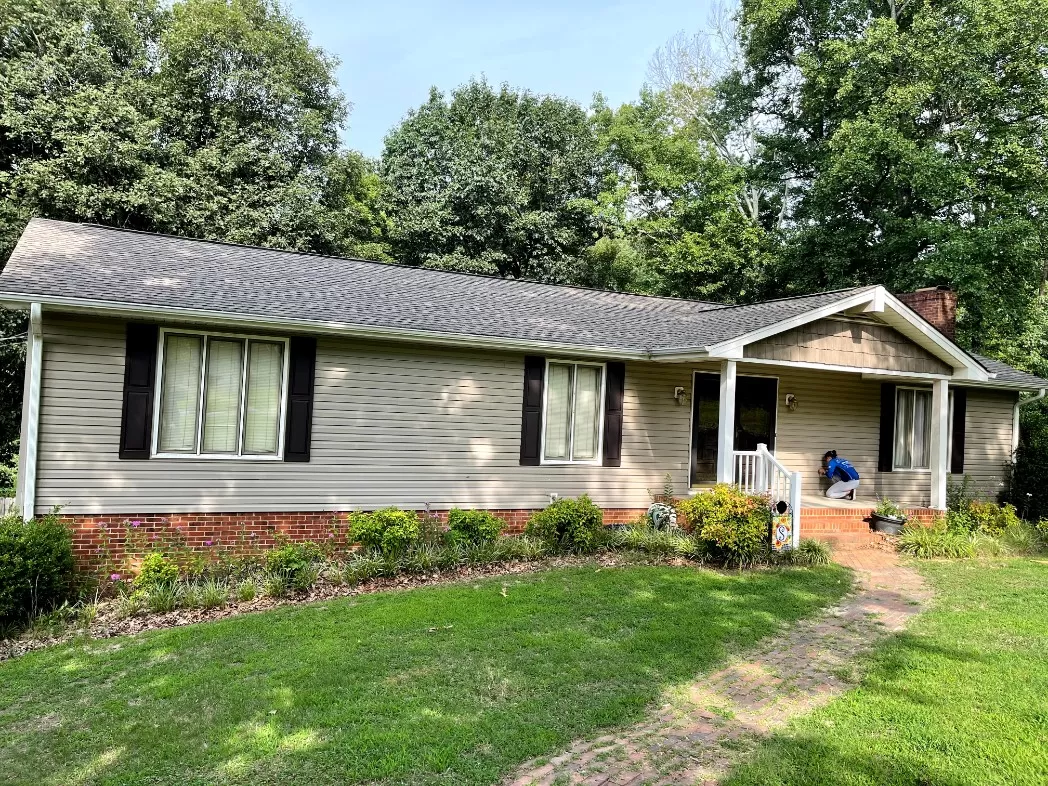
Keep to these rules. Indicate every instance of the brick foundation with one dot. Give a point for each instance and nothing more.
(850, 526)
(102, 538)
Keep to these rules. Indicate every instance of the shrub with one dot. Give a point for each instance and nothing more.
(812, 552)
(1020, 537)
(131, 604)
(363, 567)
(959, 495)
(295, 563)
(389, 530)
(214, 594)
(474, 526)
(935, 540)
(276, 585)
(162, 598)
(568, 524)
(36, 566)
(734, 526)
(156, 569)
(991, 518)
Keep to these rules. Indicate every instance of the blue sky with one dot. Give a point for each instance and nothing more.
(392, 52)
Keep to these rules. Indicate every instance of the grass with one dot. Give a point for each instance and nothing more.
(960, 698)
(457, 684)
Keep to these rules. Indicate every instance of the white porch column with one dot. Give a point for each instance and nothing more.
(726, 426)
(940, 460)
(25, 493)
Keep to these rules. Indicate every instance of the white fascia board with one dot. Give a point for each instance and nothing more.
(103, 308)
(735, 346)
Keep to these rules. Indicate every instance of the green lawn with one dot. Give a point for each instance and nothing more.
(454, 685)
(961, 698)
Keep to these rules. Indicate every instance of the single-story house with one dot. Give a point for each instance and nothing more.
(220, 386)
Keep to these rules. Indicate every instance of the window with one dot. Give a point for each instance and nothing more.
(220, 395)
(574, 405)
(913, 428)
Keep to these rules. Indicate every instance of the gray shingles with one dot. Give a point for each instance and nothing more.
(61, 259)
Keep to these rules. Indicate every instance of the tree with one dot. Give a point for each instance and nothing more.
(915, 133)
(679, 199)
(491, 181)
(205, 118)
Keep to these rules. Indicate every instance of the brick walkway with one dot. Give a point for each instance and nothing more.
(702, 728)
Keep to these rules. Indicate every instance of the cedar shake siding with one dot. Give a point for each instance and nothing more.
(840, 342)
(410, 425)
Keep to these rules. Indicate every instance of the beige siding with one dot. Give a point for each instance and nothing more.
(397, 425)
(407, 425)
(848, 343)
(841, 411)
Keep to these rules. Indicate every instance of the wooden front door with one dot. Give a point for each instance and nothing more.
(755, 405)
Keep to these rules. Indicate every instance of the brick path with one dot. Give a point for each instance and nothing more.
(702, 728)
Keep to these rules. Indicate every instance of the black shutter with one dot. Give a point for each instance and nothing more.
(960, 411)
(136, 416)
(614, 392)
(301, 369)
(886, 456)
(531, 411)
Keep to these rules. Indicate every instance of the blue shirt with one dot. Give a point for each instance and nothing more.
(841, 469)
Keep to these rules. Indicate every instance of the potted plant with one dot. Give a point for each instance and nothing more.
(888, 517)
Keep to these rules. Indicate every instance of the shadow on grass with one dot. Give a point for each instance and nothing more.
(453, 684)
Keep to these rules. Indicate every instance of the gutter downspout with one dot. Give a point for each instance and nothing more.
(1022, 402)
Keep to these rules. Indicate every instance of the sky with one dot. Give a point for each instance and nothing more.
(392, 52)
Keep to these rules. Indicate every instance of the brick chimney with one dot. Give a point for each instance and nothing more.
(938, 305)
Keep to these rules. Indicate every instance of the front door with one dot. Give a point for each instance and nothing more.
(755, 400)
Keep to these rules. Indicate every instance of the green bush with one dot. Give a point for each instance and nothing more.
(389, 530)
(294, 563)
(156, 569)
(991, 518)
(734, 526)
(36, 566)
(812, 552)
(474, 526)
(886, 507)
(568, 524)
(936, 540)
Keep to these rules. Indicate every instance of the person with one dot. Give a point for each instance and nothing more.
(844, 476)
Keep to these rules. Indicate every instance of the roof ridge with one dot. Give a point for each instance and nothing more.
(401, 265)
(726, 306)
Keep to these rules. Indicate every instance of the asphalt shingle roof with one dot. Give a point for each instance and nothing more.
(140, 269)
(60, 259)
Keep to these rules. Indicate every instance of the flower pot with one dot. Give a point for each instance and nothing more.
(889, 525)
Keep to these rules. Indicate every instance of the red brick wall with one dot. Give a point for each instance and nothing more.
(849, 525)
(99, 539)
(936, 304)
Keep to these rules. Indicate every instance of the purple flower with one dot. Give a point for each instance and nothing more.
(153, 536)
(114, 577)
(207, 542)
(136, 523)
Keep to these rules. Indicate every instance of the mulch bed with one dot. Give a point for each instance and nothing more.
(108, 623)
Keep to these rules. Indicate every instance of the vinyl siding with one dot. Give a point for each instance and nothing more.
(392, 425)
(405, 425)
(841, 411)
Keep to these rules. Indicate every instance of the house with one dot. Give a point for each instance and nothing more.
(219, 386)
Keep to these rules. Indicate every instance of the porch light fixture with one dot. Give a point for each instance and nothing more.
(791, 402)
(681, 395)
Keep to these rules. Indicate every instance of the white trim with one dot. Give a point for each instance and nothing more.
(30, 445)
(867, 373)
(940, 459)
(198, 455)
(598, 458)
(895, 428)
(322, 327)
(726, 423)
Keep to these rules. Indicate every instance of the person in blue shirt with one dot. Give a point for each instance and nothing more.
(844, 476)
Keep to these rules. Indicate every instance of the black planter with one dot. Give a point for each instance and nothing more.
(889, 525)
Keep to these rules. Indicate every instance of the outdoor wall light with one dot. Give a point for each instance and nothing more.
(681, 395)
(791, 402)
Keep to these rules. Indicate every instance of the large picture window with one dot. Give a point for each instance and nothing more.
(574, 404)
(913, 428)
(220, 395)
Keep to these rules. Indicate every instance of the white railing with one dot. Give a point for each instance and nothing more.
(759, 472)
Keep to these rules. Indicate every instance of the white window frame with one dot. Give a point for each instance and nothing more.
(598, 458)
(895, 435)
(158, 390)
